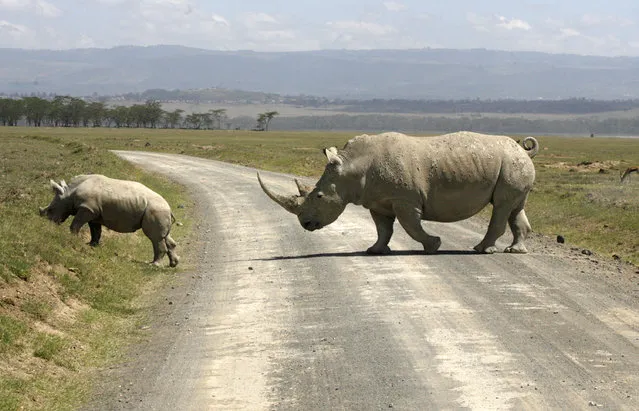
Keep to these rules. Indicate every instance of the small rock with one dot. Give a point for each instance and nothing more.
(586, 252)
(250, 268)
(616, 257)
(560, 239)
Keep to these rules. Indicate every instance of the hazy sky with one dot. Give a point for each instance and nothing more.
(563, 26)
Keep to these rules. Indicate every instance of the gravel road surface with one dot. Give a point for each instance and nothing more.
(272, 317)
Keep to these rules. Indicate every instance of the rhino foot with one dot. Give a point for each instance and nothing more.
(488, 250)
(378, 250)
(433, 245)
(516, 249)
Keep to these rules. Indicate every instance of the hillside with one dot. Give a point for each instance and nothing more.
(362, 74)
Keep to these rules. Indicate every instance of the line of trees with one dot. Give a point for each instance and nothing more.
(66, 111)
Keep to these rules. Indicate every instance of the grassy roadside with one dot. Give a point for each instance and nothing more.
(59, 298)
(66, 308)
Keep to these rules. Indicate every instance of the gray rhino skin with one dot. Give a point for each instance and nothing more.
(446, 178)
(120, 205)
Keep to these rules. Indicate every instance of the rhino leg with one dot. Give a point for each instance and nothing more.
(520, 227)
(411, 221)
(82, 217)
(507, 204)
(159, 250)
(96, 233)
(496, 229)
(384, 226)
(170, 249)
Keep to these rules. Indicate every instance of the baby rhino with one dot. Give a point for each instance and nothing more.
(121, 205)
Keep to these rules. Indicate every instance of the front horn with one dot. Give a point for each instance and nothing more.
(289, 203)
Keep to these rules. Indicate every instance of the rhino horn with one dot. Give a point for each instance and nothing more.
(303, 188)
(57, 188)
(289, 203)
(43, 211)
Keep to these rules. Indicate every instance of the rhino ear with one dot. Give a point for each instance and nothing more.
(303, 188)
(57, 188)
(332, 156)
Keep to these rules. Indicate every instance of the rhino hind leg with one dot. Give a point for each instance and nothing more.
(496, 228)
(520, 227)
(384, 226)
(507, 207)
(410, 219)
(170, 249)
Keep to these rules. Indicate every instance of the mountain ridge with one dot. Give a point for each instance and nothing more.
(358, 74)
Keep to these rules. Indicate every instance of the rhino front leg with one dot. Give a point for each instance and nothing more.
(82, 217)
(411, 221)
(384, 226)
(96, 233)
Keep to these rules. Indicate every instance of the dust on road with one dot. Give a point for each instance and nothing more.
(274, 317)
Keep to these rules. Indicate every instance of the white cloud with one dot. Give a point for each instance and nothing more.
(601, 20)
(39, 7)
(513, 24)
(13, 4)
(16, 35)
(394, 6)
(568, 32)
(477, 22)
(217, 19)
(85, 42)
(254, 20)
(14, 30)
(361, 27)
(47, 9)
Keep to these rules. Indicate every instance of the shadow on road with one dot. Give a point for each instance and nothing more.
(363, 254)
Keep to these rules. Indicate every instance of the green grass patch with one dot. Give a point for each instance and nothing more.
(48, 346)
(11, 330)
(37, 309)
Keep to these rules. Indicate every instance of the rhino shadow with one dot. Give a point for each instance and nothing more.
(364, 254)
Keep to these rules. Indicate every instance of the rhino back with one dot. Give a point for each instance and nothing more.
(120, 204)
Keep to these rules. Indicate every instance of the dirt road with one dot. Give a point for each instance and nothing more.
(274, 317)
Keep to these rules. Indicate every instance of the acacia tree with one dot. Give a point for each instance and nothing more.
(35, 110)
(264, 119)
(218, 115)
(11, 111)
(96, 112)
(173, 119)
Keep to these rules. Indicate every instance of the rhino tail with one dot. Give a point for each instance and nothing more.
(531, 146)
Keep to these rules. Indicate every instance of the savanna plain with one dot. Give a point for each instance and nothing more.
(67, 309)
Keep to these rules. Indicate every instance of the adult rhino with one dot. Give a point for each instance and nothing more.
(120, 205)
(446, 178)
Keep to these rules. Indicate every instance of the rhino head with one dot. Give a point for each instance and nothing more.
(61, 207)
(318, 206)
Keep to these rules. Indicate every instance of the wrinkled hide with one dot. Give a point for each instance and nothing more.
(446, 178)
(120, 205)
